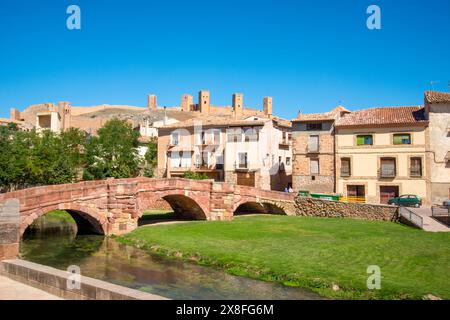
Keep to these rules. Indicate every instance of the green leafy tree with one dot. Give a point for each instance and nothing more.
(113, 153)
(151, 158)
(195, 175)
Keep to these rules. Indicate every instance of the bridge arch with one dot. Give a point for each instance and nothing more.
(249, 207)
(88, 221)
(185, 207)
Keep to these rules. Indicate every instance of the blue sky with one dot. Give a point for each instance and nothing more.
(307, 55)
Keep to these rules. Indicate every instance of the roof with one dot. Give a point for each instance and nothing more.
(215, 120)
(437, 97)
(282, 122)
(324, 116)
(411, 115)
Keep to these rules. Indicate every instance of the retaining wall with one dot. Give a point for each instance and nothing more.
(305, 206)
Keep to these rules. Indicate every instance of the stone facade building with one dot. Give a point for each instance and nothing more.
(314, 151)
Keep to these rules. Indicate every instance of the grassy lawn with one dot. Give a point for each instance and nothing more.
(152, 215)
(313, 253)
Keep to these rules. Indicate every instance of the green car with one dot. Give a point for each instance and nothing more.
(407, 200)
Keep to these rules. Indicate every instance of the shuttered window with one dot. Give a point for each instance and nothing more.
(314, 166)
(416, 167)
(387, 169)
(313, 145)
(402, 138)
(362, 140)
(345, 167)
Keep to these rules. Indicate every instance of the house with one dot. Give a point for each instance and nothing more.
(252, 150)
(314, 151)
(381, 153)
(437, 111)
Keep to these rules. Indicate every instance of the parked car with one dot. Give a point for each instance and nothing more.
(407, 200)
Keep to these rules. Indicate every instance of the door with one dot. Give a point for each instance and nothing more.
(388, 192)
(246, 179)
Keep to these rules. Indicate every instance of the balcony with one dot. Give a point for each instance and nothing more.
(285, 144)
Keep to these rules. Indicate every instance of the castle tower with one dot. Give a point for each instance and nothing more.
(14, 114)
(267, 106)
(151, 102)
(204, 100)
(238, 104)
(187, 101)
(65, 112)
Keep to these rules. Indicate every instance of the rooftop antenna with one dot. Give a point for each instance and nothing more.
(432, 83)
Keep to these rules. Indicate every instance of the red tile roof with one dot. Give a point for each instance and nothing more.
(324, 116)
(383, 116)
(437, 97)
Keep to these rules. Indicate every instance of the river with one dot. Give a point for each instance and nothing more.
(106, 259)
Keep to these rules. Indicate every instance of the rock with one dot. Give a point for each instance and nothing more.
(431, 297)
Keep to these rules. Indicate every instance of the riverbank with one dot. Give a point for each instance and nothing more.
(328, 256)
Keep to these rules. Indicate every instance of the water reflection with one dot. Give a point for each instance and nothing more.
(106, 259)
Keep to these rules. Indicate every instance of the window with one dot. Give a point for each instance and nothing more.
(219, 162)
(313, 145)
(175, 138)
(242, 160)
(313, 126)
(175, 160)
(364, 140)
(404, 138)
(216, 136)
(416, 167)
(250, 134)
(314, 166)
(234, 135)
(345, 167)
(201, 160)
(388, 168)
(288, 161)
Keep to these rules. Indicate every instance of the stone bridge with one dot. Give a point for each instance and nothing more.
(114, 206)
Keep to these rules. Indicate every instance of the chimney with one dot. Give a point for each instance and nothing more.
(14, 114)
(151, 102)
(204, 99)
(187, 101)
(267, 106)
(238, 104)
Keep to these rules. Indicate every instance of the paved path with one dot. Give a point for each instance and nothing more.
(13, 290)
(430, 224)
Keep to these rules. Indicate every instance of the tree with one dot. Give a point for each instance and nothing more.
(195, 175)
(113, 153)
(151, 157)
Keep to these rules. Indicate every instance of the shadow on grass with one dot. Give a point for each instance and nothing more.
(156, 216)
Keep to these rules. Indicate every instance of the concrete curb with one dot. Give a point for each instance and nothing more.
(55, 281)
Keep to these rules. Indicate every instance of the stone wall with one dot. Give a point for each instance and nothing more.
(305, 206)
(9, 229)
